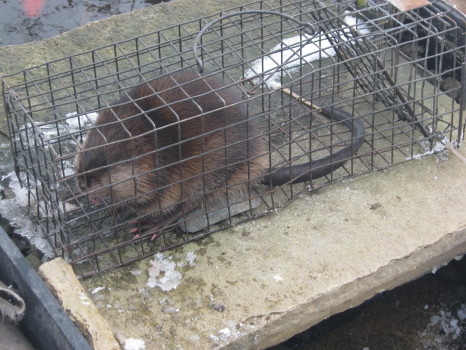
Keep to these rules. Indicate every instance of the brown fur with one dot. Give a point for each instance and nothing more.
(183, 141)
(172, 145)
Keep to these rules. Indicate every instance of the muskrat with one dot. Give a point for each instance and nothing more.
(181, 142)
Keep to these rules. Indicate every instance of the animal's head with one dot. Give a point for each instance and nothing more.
(110, 167)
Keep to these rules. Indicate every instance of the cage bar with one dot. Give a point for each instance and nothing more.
(399, 74)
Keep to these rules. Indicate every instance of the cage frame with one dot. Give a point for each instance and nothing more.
(51, 216)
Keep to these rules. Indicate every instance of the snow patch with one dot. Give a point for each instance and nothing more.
(16, 212)
(291, 53)
(230, 332)
(190, 257)
(461, 312)
(134, 344)
(97, 290)
(225, 332)
(165, 268)
(76, 122)
(443, 328)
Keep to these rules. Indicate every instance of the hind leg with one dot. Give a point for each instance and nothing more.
(155, 225)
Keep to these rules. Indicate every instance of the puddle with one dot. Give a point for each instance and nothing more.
(33, 20)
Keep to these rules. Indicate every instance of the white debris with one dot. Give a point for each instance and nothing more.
(190, 257)
(291, 53)
(214, 338)
(75, 121)
(229, 332)
(97, 290)
(442, 329)
(438, 148)
(278, 278)
(170, 278)
(14, 210)
(225, 332)
(436, 268)
(71, 123)
(462, 312)
(134, 344)
(84, 299)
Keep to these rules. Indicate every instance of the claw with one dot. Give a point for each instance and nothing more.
(154, 236)
(144, 228)
(153, 226)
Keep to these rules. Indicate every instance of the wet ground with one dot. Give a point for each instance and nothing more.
(20, 22)
(429, 313)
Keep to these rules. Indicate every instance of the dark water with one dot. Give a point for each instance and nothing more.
(426, 314)
(17, 26)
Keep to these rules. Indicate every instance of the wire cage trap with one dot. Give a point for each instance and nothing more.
(131, 141)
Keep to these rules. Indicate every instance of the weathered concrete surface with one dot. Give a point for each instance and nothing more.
(285, 272)
(255, 285)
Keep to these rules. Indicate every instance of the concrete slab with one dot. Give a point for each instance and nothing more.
(252, 288)
(257, 284)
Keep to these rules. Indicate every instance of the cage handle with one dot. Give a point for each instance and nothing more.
(308, 28)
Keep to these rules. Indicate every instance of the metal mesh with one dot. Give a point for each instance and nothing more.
(294, 64)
